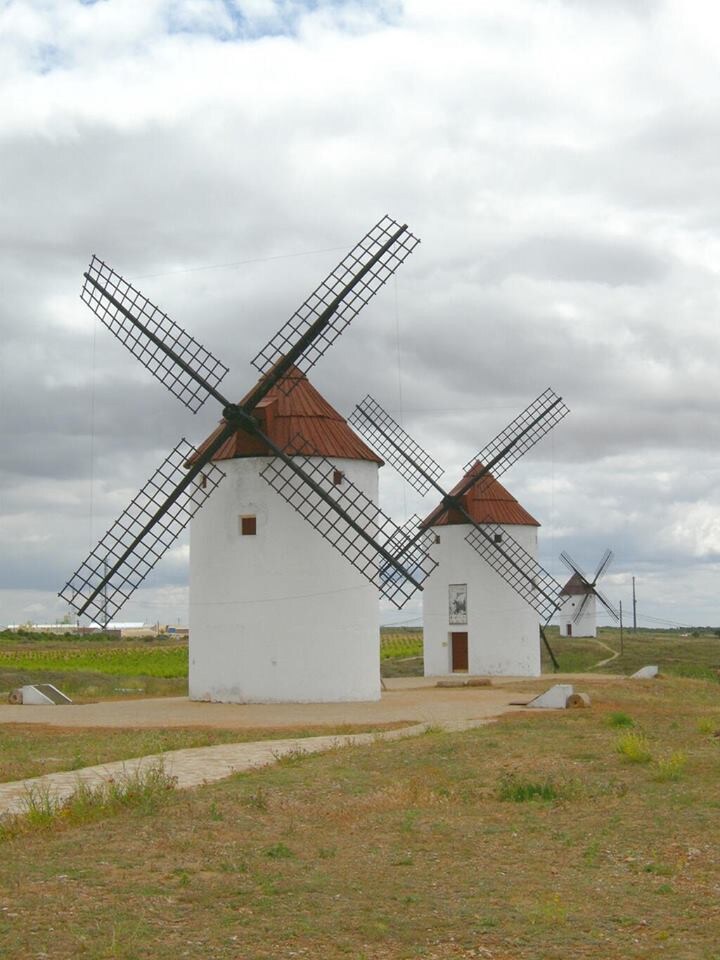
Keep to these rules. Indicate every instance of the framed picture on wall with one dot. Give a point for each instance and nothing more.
(457, 603)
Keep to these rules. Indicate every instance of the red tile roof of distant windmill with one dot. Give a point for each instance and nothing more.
(575, 586)
(487, 502)
(284, 416)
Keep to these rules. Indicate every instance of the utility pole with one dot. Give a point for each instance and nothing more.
(634, 607)
(622, 650)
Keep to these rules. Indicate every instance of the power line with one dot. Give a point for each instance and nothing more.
(236, 263)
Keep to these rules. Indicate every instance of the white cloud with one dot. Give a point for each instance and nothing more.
(557, 159)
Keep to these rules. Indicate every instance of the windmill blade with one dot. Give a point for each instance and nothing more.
(610, 607)
(176, 359)
(583, 603)
(530, 426)
(344, 292)
(603, 565)
(349, 520)
(408, 541)
(517, 567)
(396, 446)
(141, 535)
(571, 565)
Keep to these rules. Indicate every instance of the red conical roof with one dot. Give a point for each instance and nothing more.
(283, 416)
(575, 586)
(487, 502)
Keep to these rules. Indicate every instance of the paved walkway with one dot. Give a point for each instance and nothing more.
(414, 701)
(195, 766)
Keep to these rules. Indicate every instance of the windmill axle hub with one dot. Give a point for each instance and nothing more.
(238, 417)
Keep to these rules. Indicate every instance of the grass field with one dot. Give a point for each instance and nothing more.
(30, 750)
(92, 668)
(542, 836)
(676, 654)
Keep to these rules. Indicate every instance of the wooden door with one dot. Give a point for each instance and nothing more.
(569, 630)
(459, 651)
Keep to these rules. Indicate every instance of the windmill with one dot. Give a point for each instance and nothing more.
(578, 614)
(345, 515)
(505, 576)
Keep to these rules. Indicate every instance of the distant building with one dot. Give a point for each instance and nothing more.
(574, 593)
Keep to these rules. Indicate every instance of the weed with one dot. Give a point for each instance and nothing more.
(144, 788)
(433, 728)
(291, 756)
(671, 767)
(633, 747)
(39, 805)
(279, 851)
(619, 719)
(520, 790)
(658, 869)
(258, 800)
(215, 814)
(591, 854)
(708, 725)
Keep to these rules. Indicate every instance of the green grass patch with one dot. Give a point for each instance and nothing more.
(618, 718)
(400, 643)
(520, 789)
(136, 661)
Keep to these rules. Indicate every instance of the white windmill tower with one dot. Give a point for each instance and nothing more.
(273, 615)
(481, 603)
(291, 625)
(578, 613)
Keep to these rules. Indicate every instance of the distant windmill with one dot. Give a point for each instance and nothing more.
(506, 577)
(578, 614)
(313, 486)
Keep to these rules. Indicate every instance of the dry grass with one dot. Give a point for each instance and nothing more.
(30, 750)
(404, 850)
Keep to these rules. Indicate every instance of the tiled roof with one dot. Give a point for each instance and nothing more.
(487, 502)
(283, 416)
(575, 586)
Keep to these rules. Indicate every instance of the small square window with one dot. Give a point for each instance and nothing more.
(202, 481)
(338, 477)
(248, 526)
(437, 538)
(497, 538)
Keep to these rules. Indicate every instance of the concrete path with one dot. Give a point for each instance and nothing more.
(199, 765)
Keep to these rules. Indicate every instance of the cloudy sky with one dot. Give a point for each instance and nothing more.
(559, 161)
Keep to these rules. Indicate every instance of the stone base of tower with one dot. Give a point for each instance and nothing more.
(277, 616)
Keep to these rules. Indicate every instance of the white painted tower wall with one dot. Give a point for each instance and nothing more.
(586, 625)
(503, 630)
(280, 616)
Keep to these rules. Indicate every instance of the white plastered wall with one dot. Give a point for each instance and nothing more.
(503, 630)
(280, 616)
(586, 625)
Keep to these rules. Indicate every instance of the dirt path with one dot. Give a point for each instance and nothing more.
(407, 700)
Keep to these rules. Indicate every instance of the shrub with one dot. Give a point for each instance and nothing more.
(634, 747)
(671, 767)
